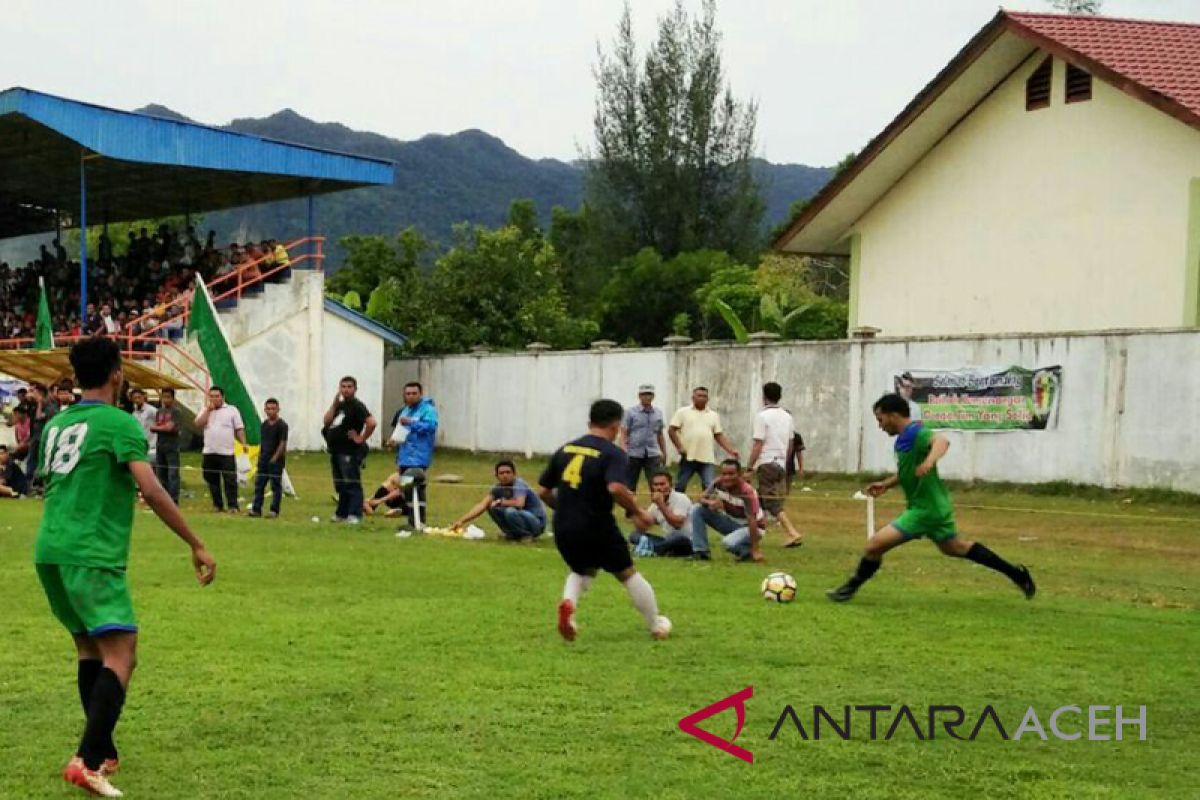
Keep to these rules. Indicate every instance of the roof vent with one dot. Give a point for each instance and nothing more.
(1079, 84)
(1037, 88)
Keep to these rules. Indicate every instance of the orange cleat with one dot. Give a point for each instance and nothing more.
(94, 782)
(566, 620)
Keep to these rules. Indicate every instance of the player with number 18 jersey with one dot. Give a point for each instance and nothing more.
(90, 492)
(94, 461)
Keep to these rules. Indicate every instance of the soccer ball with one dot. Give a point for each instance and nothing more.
(779, 587)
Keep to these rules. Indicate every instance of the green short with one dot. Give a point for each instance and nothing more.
(91, 600)
(916, 525)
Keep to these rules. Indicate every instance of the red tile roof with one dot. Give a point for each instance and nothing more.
(1156, 62)
(1163, 57)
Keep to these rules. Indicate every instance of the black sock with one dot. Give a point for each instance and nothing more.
(981, 555)
(866, 568)
(89, 670)
(104, 709)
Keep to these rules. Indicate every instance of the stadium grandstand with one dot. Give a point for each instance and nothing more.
(66, 164)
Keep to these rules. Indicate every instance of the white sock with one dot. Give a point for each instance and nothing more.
(642, 595)
(575, 586)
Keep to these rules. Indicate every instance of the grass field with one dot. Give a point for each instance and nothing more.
(333, 662)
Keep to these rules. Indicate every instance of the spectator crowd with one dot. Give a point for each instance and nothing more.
(127, 281)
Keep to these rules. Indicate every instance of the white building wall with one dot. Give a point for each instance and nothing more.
(1123, 418)
(1068, 218)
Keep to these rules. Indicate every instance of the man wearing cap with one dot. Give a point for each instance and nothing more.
(642, 437)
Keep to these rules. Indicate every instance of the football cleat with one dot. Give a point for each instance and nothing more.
(842, 594)
(662, 628)
(1026, 583)
(566, 620)
(91, 781)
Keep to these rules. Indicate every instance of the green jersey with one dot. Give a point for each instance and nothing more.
(90, 492)
(927, 497)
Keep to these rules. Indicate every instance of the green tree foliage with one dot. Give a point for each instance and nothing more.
(585, 270)
(371, 260)
(777, 297)
(647, 294)
(672, 163)
(499, 287)
(1077, 6)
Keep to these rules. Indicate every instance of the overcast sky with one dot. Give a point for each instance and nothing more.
(828, 74)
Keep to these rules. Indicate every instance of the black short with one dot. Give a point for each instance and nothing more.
(589, 551)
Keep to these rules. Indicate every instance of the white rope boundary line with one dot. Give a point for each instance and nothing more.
(799, 495)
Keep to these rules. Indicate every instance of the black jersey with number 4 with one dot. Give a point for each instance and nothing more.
(581, 472)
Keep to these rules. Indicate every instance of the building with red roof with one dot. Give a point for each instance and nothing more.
(1046, 180)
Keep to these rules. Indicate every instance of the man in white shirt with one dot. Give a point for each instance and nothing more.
(144, 414)
(222, 425)
(773, 431)
(671, 511)
(693, 431)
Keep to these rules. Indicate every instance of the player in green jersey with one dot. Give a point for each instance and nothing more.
(929, 514)
(94, 461)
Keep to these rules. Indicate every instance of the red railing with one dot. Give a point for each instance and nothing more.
(232, 284)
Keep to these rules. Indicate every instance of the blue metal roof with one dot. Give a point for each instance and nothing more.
(155, 140)
(139, 166)
(363, 321)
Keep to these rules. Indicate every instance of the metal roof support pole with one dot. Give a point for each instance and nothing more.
(83, 286)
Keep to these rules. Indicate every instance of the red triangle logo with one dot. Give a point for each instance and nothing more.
(737, 701)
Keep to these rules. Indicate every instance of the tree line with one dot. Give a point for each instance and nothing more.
(667, 241)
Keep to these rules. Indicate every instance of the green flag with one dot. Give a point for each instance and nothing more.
(218, 356)
(44, 338)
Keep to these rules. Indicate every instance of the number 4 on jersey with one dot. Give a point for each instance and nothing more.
(573, 474)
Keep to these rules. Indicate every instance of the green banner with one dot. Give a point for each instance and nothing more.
(983, 398)
(218, 357)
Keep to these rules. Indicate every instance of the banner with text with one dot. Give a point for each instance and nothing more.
(983, 398)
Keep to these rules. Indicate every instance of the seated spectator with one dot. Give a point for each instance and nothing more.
(225, 266)
(66, 393)
(281, 254)
(251, 259)
(20, 426)
(12, 480)
(730, 505)
(512, 505)
(391, 493)
(107, 325)
(671, 510)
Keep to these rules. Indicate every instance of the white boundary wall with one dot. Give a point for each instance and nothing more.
(1125, 417)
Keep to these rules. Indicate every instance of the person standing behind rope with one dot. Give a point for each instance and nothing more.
(222, 425)
(166, 455)
(272, 457)
(414, 429)
(347, 425)
(773, 435)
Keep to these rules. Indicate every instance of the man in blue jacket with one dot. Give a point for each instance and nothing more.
(414, 430)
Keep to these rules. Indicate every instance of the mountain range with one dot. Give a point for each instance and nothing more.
(470, 176)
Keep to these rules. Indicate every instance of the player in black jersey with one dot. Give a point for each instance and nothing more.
(581, 482)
